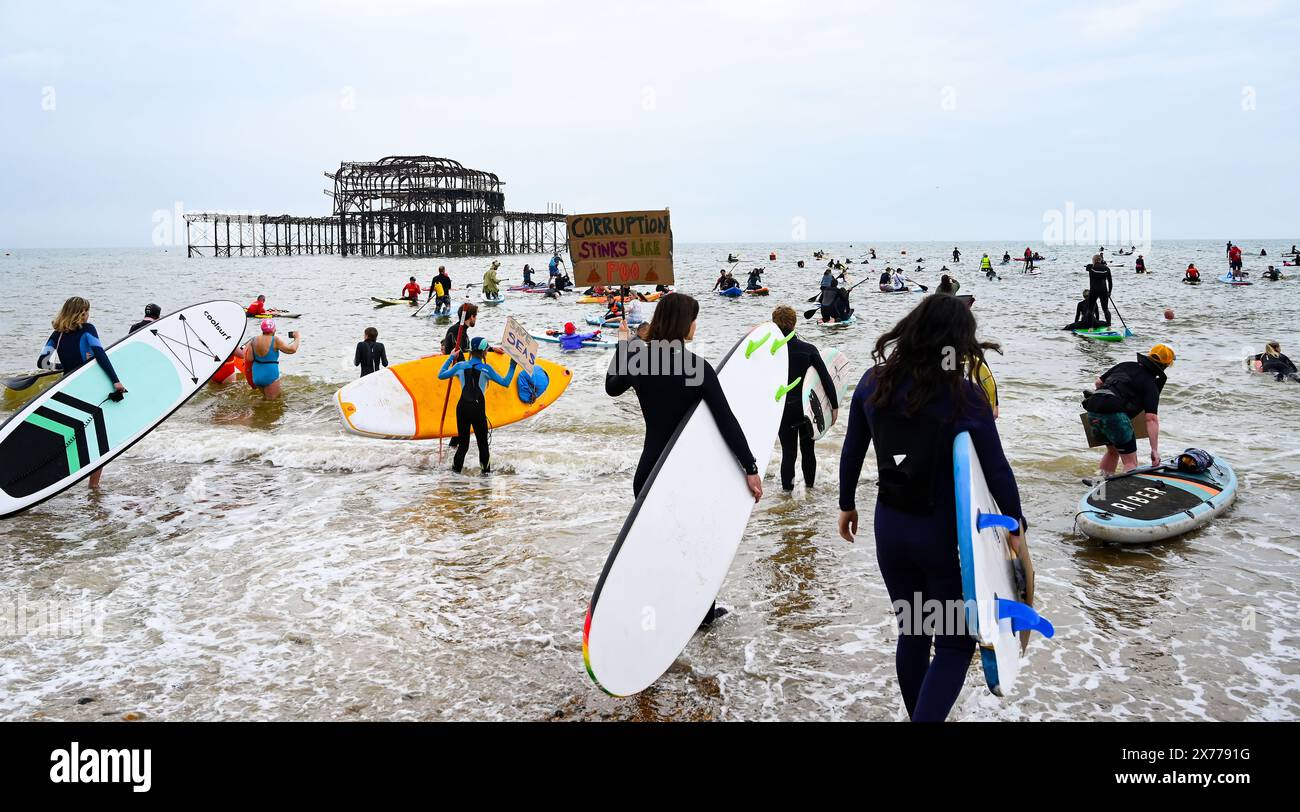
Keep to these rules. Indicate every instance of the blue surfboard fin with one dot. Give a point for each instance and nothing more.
(1024, 618)
(986, 520)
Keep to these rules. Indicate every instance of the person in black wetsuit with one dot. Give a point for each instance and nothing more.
(1140, 265)
(151, 314)
(441, 278)
(528, 276)
(755, 279)
(796, 432)
(370, 353)
(911, 405)
(1122, 393)
(1100, 285)
(74, 343)
(956, 255)
(1272, 274)
(1274, 363)
(667, 398)
(1086, 315)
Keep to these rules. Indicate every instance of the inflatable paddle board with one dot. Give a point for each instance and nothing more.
(593, 343)
(1103, 334)
(73, 428)
(385, 302)
(851, 320)
(1228, 280)
(596, 321)
(405, 401)
(816, 405)
(677, 543)
(992, 577)
(1157, 503)
(489, 301)
(730, 293)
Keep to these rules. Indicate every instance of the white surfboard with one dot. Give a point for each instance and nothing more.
(993, 597)
(679, 539)
(816, 404)
(73, 428)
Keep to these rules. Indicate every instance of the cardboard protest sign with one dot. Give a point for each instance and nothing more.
(621, 248)
(1139, 429)
(519, 345)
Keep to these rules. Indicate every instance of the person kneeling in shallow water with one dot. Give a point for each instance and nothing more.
(1086, 314)
(1122, 393)
(912, 404)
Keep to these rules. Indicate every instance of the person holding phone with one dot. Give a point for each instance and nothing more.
(265, 358)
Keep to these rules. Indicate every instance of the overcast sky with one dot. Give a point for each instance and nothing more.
(858, 120)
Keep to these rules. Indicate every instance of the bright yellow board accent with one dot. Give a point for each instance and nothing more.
(420, 378)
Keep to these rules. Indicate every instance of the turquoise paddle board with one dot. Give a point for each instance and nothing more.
(74, 428)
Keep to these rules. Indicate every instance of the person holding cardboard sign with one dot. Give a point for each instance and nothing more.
(1123, 392)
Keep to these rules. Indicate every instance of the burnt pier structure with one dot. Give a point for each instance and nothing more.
(400, 206)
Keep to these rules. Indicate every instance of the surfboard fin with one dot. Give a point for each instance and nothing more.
(986, 520)
(776, 345)
(1024, 618)
(782, 391)
(754, 345)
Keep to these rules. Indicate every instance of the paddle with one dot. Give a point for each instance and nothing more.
(24, 382)
(1127, 332)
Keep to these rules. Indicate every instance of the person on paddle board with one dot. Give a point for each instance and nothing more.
(1086, 315)
(1121, 394)
(796, 432)
(911, 405)
(370, 354)
(265, 363)
(152, 312)
(411, 291)
(755, 280)
(1234, 262)
(1273, 362)
(1100, 284)
(74, 343)
(1192, 274)
(571, 339)
(491, 284)
(258, 307)
(1006, 257)
(1140, 265)
(668, 391)
(440, 290)
(528, 276)
(474, 374)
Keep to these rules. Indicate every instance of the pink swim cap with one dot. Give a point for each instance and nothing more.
(268, 326)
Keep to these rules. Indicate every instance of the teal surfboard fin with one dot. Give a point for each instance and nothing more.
(1024, 618)
(986, 520)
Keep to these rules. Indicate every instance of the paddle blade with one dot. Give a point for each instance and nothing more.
(18, 384)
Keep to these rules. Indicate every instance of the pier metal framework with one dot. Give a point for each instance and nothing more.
(399, 206)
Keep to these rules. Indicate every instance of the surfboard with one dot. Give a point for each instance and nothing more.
(73, 428)
(816, 404)
(405, 401)
(1156, 504)
(679, 539)
(991, 578)
(594, 343)
(1228, 279)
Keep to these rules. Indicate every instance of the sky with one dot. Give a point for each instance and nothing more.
(752, 120)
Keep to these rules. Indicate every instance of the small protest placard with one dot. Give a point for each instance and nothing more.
(621, 248)
(519, 345)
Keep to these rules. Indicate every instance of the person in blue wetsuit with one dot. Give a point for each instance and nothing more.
(912, 404)
(796, 432)
(474, 375)
(571, 339)
(266, 350)
(73, 344)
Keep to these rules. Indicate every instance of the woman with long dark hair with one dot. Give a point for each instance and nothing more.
(670, 387)
(922, 392)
